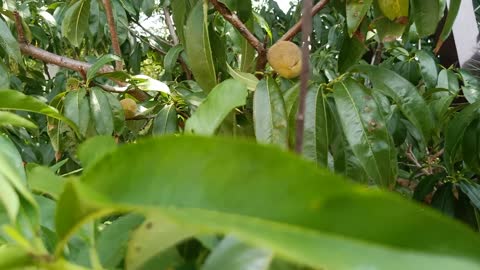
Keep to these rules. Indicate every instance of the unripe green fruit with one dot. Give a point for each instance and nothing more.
(285, 57)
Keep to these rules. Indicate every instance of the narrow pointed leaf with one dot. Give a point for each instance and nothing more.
(197, 47)
(310, 224)
(75, 22)
(8, 118)
(166, 121)
(404, 94)
(366, 131)
(219, 103)
(101, 111)
(9, 44)
(270, 114)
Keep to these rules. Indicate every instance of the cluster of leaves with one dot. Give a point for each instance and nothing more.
(73, 198)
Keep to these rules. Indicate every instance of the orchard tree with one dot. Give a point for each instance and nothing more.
(230, 134)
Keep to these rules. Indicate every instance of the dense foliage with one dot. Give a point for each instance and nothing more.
(127, 145)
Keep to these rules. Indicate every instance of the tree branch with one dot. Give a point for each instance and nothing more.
(171, 28)
(304, 76)
(298, 26)
(113, 32)
(238, 24)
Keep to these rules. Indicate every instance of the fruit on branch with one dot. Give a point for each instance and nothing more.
(129, 107)
(285, 57)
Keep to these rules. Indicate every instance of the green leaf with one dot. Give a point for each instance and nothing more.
(102, 61)
(9, 44)
(117, 112)
(8, 118)
(247, 52)
(197, 47)
(352, 51)
(9, 199)
(428, 68)
(394, 9)
(404, 94)
(471, 146)
(94, 149)
(112, 242)
(471, 86)
(247, 78)
(77, 108)
(269, 114)
(233, 254)
(43, 180)
(146, 83)
(316, 139)
(219, 103)
(154, 236)
(242, 7)
(101, 111)
(15, 100)
(453, 9)
(366, 131)
(12, 169)
(166, 121)
(15, 258)
(310, 223)
(4, 76)
(426, 14)
(75, 22)
(444, 200)
(171, 58)
(180, 10)
(356, 10)
(454, 133)
(472, 190)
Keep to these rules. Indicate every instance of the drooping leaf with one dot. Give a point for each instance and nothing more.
(444, 200)
(166, 121)
(222, 100)
(312, 227)
(269, 114)
(14, 257)
(366, 131)
(180, 11)
(247, 78)
(404, 94)
(454, 133)
(316, 139)
(394, 9)
(426, 14)
(428, 68)
(171, 58)
(101, 111)
(471, 146)
(8, 118)
(352, 51)
(356, 10)
(15, 100)
(471, 87)
(77, 108)
(472, 190)
(75, 22)
(9, 44)
(453, 9)
(43, 180)
(117, 112)
(9, 199)
(197, 47)
(102, 61)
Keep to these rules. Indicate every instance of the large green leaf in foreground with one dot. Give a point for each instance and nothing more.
(271, 199)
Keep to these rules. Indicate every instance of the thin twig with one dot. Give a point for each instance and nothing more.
(171, 28)
(298, 26)
(160, 40)
(113, 33)
(304, 76)
(414, 159)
